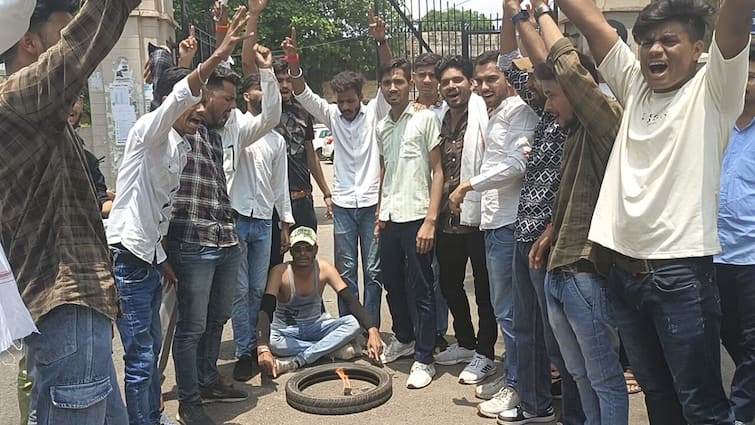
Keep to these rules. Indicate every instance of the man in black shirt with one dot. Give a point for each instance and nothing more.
(297, 128)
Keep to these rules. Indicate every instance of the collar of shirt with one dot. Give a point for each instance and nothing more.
(408, 111)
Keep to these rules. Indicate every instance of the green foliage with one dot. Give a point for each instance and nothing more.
(332, 34)
(454, 20)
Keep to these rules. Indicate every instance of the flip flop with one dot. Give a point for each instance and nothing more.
(633, 387)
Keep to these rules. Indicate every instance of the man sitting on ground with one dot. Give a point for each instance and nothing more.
(300, 330)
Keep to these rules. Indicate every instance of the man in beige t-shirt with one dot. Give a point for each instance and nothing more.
(657, 206)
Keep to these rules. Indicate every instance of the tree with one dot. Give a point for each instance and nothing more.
(332, 33)
(454, 20)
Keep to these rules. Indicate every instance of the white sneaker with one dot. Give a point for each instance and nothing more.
(165, 420)
(488, 390)
(396, 349)
(420, 376)
(477, 370)
(506, 399)
(454, 355)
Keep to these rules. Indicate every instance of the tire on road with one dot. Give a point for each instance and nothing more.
(339, 405)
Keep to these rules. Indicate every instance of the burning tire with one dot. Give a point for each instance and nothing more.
(339, 405)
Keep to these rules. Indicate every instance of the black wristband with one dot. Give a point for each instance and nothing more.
(356, 309)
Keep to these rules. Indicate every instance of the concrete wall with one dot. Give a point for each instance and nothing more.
(118, 81)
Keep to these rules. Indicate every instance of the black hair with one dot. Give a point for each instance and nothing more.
(454, 61)
(42, 12)
(426, 59)
(250, 81)
(544, 72)
(693, 14)
(222, 74)
(280, 65)
(169, 78)
(398, 63)
(487, 57)
(347, 80)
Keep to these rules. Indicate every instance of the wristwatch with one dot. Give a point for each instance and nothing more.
(523, 15)
(542, 10)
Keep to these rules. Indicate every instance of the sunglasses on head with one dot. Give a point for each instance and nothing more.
(302, 248)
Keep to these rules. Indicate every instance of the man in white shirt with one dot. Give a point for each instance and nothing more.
(259, 184)
(149, 175)
(508, 136)
(356, 173)
(658, 201)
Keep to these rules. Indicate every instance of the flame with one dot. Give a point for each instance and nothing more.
(345, 379)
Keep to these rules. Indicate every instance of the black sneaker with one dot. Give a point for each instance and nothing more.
(221, 393)
(193, 414)
(556, 389)
(243, 369)
(518, 416)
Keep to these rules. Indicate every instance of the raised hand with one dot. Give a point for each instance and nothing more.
(377, 26)
(220, 12)
(234, 35)
(511, 8)
(187, 48)
(256, 6)
(263, 56)
(289, 44)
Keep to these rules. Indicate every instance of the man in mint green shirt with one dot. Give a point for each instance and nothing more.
(411, 188)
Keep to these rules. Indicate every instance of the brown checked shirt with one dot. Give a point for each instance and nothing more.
(586, 151)
(50, 224)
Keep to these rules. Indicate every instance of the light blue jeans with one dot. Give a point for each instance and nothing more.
(206, 286)
(589, 344)
(353, 229)
(70, 362)
(255, 237)
(500, 245)
(310, 341)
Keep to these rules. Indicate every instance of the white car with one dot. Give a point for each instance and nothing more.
(323, 142)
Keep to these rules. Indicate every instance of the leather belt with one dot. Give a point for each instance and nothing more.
(635, 266)
(127, 257)
(300, 194)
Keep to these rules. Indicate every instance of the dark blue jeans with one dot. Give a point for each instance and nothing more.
(207, 279)
(398, 244)
(536, 346)
(669, 320)
(141, 291)
(737, 286)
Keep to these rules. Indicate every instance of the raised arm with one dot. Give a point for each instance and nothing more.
(508, 30)
(733, 27)
(377, 32)
(220, 16)
(248, 64)
(531, 40)
(187, 49)
(261, 124)
(291, 49)
(56, 79)
(589, 20)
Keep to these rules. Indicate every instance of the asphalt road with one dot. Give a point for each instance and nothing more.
(443, 401)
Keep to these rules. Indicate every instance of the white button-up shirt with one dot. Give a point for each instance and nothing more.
(509, 133)
(357, 171)
(261, 181)
(149, 176)
(239, 133)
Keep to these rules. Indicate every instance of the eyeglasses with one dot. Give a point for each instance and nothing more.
(298, 249)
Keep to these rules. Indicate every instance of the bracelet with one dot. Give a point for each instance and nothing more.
(221, 28)
(523, 15)
(329, 195)
(199, 74)
(542, 10)
(296, 77)
(291, 59)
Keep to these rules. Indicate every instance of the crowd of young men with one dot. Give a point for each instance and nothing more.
(587, 217)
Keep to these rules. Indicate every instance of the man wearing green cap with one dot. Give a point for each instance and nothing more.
(297, 331)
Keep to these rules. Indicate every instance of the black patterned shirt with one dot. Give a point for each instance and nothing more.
(202, 212)
(296, 128)
(543, 174)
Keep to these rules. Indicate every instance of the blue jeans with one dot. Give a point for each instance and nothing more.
(254, 240)
(353, 229)
(499, 251)
(310, 341)
(737, 286)
(70, 362)
(140, 290)
(408, 275)
(577, 312)
(536, 346)
(670, 320)
(441, 308)
(206, 287)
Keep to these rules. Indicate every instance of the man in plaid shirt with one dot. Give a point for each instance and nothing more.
(51, 224)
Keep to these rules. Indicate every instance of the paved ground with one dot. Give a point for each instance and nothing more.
(444, 400)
